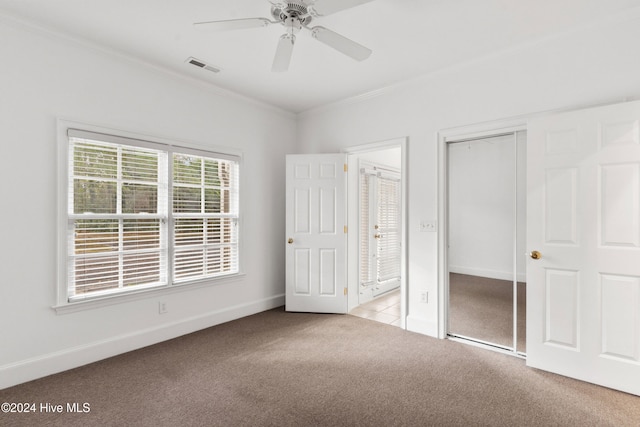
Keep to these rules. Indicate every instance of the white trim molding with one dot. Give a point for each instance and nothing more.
(445, 136)
(52, 363)
(353, 221)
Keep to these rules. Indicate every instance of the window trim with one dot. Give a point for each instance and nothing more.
(80, 129)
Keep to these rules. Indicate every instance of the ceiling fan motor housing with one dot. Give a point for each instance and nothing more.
(294, 15)
(291, 11)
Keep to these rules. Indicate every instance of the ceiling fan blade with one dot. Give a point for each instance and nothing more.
(341, 43)
(327, 7)
(283, 53)
(232, 24)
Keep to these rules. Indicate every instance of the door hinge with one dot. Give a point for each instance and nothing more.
(346, 229)
(346, 168)
(346, 291)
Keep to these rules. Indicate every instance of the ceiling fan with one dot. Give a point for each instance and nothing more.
(294, 15)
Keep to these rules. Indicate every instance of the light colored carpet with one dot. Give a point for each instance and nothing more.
(482, 308)
(294, 369)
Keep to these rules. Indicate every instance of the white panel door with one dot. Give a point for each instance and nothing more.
(316, 268)
(583, 216)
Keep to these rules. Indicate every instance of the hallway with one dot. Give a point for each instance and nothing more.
(384, 309)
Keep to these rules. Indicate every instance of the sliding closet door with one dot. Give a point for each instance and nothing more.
(483, 227)
(521, 243)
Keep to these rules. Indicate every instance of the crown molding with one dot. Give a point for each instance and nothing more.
(607, 21)
(48, 32)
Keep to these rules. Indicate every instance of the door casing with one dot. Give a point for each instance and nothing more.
(457, 134)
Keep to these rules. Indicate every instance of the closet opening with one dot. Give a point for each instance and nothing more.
(485, 240)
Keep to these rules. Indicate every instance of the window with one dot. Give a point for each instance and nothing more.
(146, 215)
(205, 206)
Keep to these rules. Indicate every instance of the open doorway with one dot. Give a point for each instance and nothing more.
(486, 195)
(376, 215)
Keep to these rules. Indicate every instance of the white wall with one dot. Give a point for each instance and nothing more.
(45, 77)
(589, 66)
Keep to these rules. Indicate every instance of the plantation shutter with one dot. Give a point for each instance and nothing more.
(117, 215)
(388, 253)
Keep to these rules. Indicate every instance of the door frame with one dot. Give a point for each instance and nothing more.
(445, 136)
(353, 219)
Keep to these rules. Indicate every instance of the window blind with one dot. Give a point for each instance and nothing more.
(366, 272)
(116, 198)
(142, 214)
(205, 208)
(388, 251)
(379, 213)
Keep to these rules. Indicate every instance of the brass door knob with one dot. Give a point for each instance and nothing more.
(535, 255)
(377, 236)
(290, 241)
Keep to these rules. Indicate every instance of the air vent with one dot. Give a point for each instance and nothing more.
(201, 64)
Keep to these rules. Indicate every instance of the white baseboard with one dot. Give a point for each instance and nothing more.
(483, 272)
(52, 363)
(421, 326)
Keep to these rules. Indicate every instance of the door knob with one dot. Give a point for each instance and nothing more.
(377, 236)
(290, 241)
(535, 255)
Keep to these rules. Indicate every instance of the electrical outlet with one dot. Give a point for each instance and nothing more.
(428, 226)
(162, 307)
(424, 297)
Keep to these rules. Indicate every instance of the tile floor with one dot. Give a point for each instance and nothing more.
(384, 309)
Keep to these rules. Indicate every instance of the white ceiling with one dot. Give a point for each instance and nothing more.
(408, 38)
